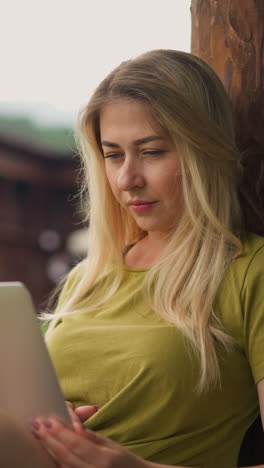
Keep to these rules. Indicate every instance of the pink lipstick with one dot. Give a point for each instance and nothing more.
(139, 206)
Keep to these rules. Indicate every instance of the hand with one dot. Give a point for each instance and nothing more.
(82, 450)
(80, 414)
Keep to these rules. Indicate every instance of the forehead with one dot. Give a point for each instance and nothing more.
(128, 117)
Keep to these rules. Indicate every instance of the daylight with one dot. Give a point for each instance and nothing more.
(54, 53)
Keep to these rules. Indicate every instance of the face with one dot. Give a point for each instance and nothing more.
(141, 165)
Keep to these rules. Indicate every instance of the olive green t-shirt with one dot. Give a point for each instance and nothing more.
(139, 370)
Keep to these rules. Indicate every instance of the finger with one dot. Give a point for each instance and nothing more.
(85, 412)
(97, 438)
(78, 428)
(61, 452)
(67, 446)
(69, 404)
(41, 442)
(74, 417)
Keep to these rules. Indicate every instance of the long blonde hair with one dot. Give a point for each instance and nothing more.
(187, 99)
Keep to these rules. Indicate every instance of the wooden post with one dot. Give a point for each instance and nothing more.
(229, 36)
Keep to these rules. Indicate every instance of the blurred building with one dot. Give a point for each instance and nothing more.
(37, 213)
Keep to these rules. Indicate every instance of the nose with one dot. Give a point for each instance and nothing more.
(130, 175)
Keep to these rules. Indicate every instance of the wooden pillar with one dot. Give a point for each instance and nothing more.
(229, 36)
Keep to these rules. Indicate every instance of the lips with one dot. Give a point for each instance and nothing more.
(141, 206)
(140, 202)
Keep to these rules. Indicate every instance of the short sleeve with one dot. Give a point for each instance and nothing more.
(252, 297)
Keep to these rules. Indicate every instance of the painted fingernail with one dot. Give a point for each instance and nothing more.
(47, 423)
(35, 425)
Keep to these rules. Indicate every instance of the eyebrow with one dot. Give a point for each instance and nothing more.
(141, 141)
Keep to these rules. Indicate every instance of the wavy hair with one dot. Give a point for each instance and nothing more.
(188, 100)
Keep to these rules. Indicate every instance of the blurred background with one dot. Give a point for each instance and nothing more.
(53, 55)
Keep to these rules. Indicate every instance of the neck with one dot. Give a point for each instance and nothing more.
(147, 251)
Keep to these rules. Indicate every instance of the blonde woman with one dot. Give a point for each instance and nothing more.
(162, 324)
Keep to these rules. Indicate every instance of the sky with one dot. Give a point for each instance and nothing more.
(55, 52)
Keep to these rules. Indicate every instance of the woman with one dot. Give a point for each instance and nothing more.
(161, 325)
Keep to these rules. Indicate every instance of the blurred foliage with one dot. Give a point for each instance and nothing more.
(58, 138)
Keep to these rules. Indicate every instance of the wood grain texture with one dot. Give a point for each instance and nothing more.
(229, 36)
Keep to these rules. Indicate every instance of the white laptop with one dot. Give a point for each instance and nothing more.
(28, 382)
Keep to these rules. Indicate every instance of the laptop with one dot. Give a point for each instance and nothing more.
(28, 382)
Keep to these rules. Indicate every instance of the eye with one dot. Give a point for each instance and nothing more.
(112, 156)
(154, 153)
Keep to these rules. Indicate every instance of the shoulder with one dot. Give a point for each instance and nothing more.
(70, 282)
(251, 257)
(244, 275)
(74, 275)
(252, 305)
(252, 243)
(239, 303)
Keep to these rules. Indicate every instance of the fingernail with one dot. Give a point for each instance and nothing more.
(97, 407)
(35, 424)
(47, 423)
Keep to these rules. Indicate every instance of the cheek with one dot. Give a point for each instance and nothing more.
(109, 176)
(113, 184)
(171, 186)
